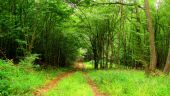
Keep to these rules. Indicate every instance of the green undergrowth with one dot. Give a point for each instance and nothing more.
(88, 65)
(130, 83)
(74, 85)
(21, 80)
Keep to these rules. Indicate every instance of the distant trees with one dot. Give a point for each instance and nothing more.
(37, 26)
(124, 24)
(120, 32)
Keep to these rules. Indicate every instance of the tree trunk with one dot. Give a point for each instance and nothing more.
(153, 58)
(167, 65)
(95, 59)
(120, 31)
(95, 55)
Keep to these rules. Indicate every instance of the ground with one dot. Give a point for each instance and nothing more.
(115, 82)
(89, 87)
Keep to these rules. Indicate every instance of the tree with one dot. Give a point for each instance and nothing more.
(153, 58)
(167, 65)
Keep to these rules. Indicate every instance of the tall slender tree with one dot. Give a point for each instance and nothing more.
(153, 57)
(167, 65)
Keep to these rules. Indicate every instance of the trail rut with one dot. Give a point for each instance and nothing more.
(93, 86)
(52, 83)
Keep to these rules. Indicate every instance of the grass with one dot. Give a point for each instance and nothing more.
(88, 65)
(130, 83)
(75, 85)
(19, 81)
(23, 80)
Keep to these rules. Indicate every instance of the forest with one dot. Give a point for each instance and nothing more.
(84, 47)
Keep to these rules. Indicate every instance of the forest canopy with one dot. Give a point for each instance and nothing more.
(132, 33)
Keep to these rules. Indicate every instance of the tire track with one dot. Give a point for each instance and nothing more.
(93, 86)
(52, 83)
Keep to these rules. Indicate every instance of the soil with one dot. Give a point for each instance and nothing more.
(93, 86)
(79, 66)
(52, 83)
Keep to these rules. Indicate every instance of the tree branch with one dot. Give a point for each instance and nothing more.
(118, 3)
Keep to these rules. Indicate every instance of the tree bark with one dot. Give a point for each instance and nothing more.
(153, 57)
(120, 30)
(95, 55)
(167, 65)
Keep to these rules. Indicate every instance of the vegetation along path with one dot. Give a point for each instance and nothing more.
(86, 85)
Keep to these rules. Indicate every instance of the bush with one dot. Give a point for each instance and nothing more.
(22, 79)
(7, 71)
(28, 61)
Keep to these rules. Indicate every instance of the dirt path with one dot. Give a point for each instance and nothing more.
(93, 86)
(52, 83)
(79, 66)
(90, 82)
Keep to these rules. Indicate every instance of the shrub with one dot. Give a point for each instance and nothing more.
(28, 61)
(21, 79)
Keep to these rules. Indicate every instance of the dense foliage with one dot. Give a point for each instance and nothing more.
(132, 33)
(22, 80)
(34, 26)
(118, 32)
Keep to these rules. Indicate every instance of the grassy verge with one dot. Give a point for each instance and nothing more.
(75, 85)
(130, 83)
(20, 81)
